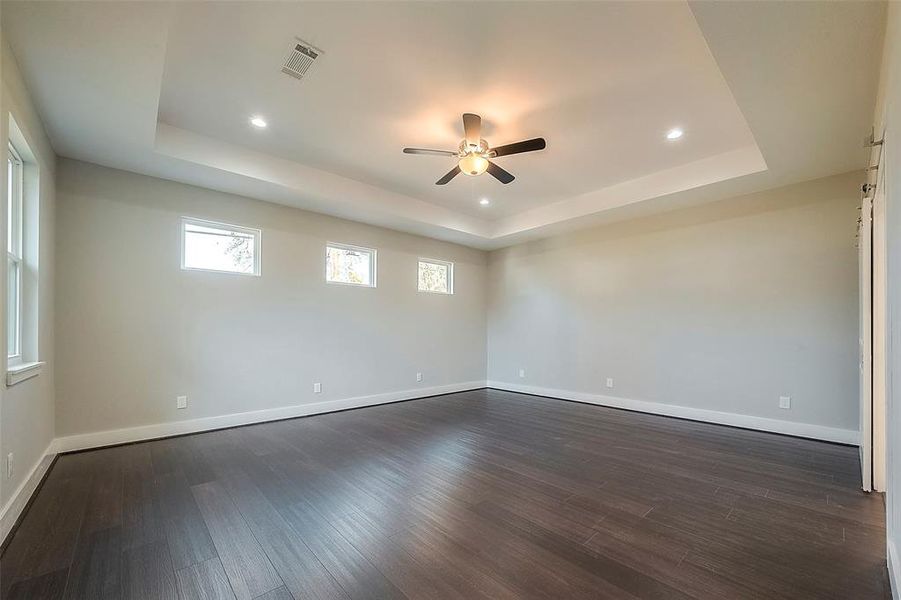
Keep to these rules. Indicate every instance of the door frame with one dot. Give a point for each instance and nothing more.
(879, 333)
(865, 339)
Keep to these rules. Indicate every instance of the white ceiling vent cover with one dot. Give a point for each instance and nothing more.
(300, 59)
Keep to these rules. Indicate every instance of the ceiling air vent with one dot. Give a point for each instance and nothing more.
(300, 59)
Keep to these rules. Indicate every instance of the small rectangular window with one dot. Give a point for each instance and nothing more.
(349, 265)
(210, 246)
(436, 276)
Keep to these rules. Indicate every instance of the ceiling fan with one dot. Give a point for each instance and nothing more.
(473, 153)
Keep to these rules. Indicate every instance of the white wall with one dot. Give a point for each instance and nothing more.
(888, 118)
(711, 312)
(717, 309)
(27, 409)
(135, 330)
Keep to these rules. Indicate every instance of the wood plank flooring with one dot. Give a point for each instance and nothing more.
(482, 494)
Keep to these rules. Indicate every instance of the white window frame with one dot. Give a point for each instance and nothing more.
(257, 244)
(16, 233)
(450, 275)
(373, 269)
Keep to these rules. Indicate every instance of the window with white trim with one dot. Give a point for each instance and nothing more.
(212, 246)
(14, 263)
(350, 265)
(436, 276)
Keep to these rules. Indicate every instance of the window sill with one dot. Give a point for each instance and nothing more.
(19, 373)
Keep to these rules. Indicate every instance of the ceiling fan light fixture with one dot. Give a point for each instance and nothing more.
(473, 153)
(473, 164)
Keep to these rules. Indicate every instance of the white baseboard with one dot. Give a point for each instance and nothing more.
(817, 432)
(134, 434)
(894, 569)
(16, 504)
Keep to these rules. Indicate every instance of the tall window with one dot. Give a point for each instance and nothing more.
(436, 276)
(351, 265)
(209, 246)
(14, 185)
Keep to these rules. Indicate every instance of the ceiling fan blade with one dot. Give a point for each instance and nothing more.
(500, 174)
(428, 151)
(472, 129)
(520, 147)
(451, 174)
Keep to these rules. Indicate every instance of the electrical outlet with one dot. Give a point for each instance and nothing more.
(181, 402)
(419, 377)
(785, 402)
(522, 372)
(9, 465)
(610, 382)
(317, 388)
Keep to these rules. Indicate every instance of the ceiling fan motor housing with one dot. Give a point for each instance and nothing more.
(473, 159)
(465, 148)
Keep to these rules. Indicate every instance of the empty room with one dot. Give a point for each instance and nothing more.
(464, 300)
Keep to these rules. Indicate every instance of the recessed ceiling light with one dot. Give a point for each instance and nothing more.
(484, 201)
(258, 122)
(674, 134)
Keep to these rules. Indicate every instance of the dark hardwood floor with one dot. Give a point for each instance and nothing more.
(482, 494)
